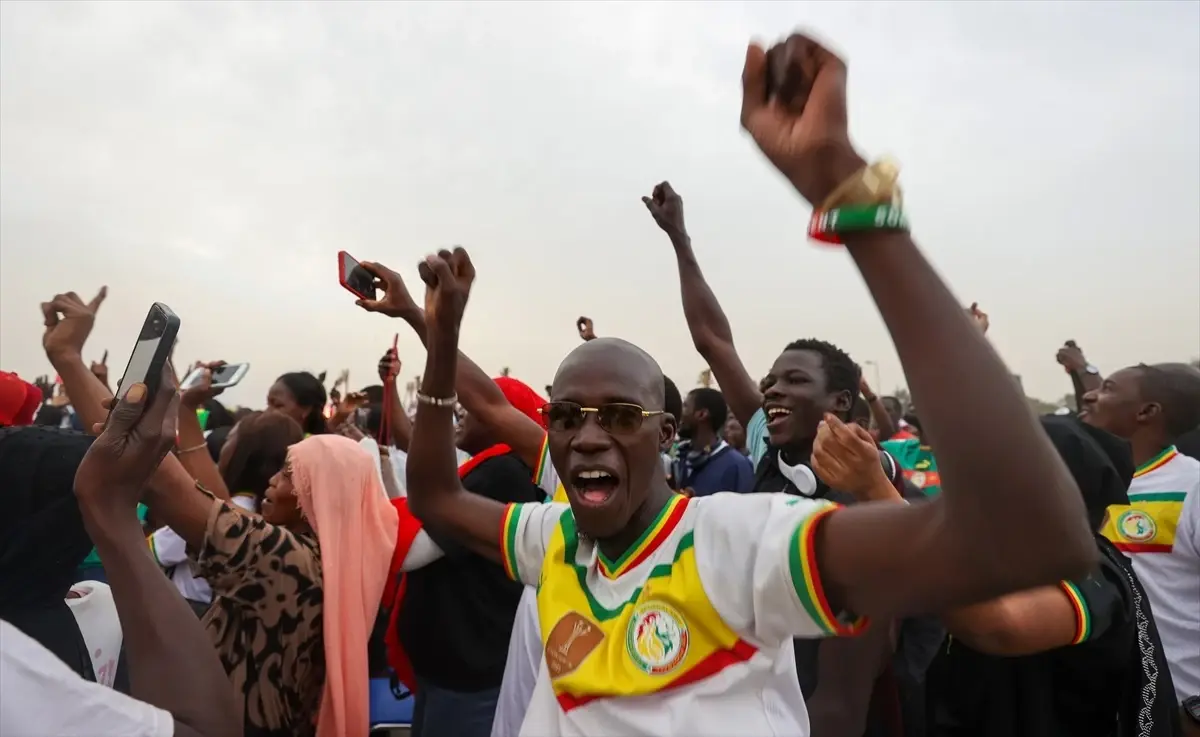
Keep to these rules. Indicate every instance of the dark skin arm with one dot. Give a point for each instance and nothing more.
(1071, 357)
(399, 426)
(193, 449)
(476, 390)
(711, 334)
(879, 413)
(1023, 623)
(160, 631)
(435, 492)
(957, 549)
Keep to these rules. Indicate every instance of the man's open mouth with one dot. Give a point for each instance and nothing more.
(777, 416)
(594, 487)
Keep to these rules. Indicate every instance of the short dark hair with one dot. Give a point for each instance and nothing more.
(1176, 388)
(842, 374)
(893, 405)
(672, 400)
(308, 391)
(713, 401)
(913, 420)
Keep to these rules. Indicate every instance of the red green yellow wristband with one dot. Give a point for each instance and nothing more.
(827, 226)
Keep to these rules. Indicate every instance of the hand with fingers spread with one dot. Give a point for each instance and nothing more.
(846, 458)
(448, 277)
(666, 206)
(980, 317)
(794, 107)
(202, 390)
(394, 300)
(587, 330)
(69, 320)
(139, 433)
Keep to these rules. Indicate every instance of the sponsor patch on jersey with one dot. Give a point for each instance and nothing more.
(571, 640)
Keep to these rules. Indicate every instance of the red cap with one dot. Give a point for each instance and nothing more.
(19, 400)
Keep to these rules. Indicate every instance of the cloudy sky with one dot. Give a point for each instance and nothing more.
(216, 156)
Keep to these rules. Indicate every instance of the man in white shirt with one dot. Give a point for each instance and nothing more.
(1151, 406)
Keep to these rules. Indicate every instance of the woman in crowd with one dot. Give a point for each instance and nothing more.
(317, 556)
(301, 396)
(254, 452)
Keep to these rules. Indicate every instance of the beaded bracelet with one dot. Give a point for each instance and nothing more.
(827, 226)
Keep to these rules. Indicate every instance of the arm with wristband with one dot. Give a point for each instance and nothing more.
(794, 107)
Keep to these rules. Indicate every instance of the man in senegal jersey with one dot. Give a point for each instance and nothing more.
(664, 615)
(1152, 406)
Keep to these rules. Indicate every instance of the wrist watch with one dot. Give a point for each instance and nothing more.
(1090, 369)
(1191, 708)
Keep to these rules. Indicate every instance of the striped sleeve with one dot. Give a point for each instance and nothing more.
(1083, 618)
(1096, 601)
(524, 534)
(757, 562)
(544, 475)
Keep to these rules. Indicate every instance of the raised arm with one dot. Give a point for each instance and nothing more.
(193, 447)
(69, 321)
(706, 320)
(1000, 475)
(435, 493)
(160, 631)
(476, 390)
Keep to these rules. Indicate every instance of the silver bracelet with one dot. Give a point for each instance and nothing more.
(449, 401)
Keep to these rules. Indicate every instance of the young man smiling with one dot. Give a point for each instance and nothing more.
(683, 602)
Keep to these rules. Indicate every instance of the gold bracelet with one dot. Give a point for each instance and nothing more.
(871, 185)
(193, 449)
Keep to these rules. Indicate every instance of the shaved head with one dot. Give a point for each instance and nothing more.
(634, 368)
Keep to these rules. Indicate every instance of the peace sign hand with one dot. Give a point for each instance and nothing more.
(69, 322)
(794, 107)
(448, 278)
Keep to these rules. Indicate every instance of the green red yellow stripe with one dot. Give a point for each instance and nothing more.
(651, 538)
(543, 459)
(508, 539)
(1083, 620)
(1156, 462)
(806, 579)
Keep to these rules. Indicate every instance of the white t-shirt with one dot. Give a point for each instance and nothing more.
(96, 614)
(1160, 532)
(42, 697)
(753, 571)
(170, 551)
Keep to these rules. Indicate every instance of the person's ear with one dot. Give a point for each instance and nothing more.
(842, 401)
(1149, 412)
(666, 431)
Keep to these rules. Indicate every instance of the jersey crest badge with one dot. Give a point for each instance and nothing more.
(1137, 526)
(657, 638)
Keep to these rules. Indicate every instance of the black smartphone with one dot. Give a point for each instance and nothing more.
(152, 350)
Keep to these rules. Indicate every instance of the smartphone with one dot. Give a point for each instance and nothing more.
(225, 376)
(152, 350)
(354, 277)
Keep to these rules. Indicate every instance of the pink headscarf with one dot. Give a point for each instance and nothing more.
(344, 502)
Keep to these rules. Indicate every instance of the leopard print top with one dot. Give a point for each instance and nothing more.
(265, 618)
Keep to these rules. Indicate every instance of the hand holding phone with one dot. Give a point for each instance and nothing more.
(151, 351)
(224, 375)
(354, 277)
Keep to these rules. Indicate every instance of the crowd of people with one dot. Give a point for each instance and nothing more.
(788, 555)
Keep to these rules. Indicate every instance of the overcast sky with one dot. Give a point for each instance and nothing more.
(216, 156)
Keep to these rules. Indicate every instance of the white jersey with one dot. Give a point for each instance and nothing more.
(1160, 531)
(688, 633)
(42, 696)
